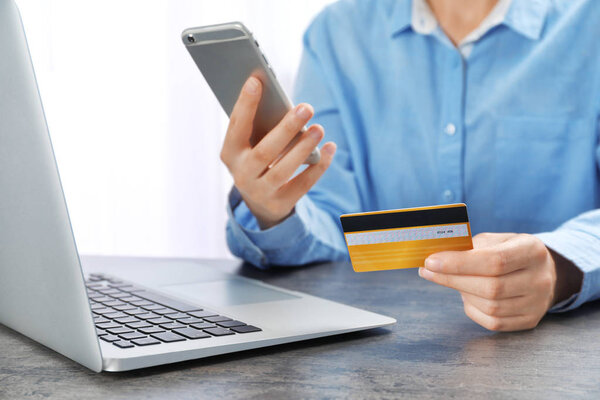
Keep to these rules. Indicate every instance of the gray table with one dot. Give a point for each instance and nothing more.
(433, 351)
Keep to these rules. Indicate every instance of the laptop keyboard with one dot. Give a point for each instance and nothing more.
(128, 316)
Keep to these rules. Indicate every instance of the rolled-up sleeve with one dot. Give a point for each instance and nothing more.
(578, 240)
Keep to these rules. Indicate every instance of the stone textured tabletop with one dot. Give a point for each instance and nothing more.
(433, 351)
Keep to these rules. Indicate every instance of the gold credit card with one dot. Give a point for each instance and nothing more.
(404, 238)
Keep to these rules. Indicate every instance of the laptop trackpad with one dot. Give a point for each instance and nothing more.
(230, 292)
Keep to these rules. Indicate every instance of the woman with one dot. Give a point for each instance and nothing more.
(495, 103)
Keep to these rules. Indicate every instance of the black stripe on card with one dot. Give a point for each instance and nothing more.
(405, 219)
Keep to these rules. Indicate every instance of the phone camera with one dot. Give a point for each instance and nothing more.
(191, 38)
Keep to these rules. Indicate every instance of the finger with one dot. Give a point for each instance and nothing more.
(281, 172)
(514, 284)
(270, 147)
(511, 307)
(502, 324)
(516, 253)
(297, 187)
(242, 118)
(487, 239)
(487, 261)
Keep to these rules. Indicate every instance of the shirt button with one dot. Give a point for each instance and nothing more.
(448, 195)
(450, 129)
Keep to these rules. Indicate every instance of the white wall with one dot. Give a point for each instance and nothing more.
(136, 130)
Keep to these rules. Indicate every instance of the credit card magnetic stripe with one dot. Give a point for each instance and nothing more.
(404, 218)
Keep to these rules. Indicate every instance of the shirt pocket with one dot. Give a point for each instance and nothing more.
(544, 168)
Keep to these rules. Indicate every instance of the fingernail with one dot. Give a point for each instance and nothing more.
(251, 85)
(433, 264)
(314, 133)
(425, 274)
(303, 111)
(329, 150)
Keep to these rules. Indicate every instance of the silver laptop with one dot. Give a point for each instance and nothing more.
(143, 312)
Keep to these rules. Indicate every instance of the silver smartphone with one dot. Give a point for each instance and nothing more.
(227, 55)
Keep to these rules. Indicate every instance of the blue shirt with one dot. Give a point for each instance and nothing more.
(512, 130)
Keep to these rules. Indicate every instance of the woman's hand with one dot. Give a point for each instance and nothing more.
(267, 187)
(507, 282)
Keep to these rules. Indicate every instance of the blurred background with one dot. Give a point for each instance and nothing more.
(136, 130)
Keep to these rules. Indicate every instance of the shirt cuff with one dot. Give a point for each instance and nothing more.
(239, 243)
(576, 246)
(257, 242)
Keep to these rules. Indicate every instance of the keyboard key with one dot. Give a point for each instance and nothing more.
(218, 331)
(130, 298)
(131, 289)
(189, 320)
(103, 299)
(137, 325)
(172, 325)
(151, 329)
(95, 295)
(100, 332)
(113, 303)
(117, 314)
(153, 306)
(145, 341)
(109, 291)
(126, 320)
(141, 303)
(98, 319)
(163, 311)
(108, 325)
(161, 320)
(217, 318)
(119, 331)
(93, 285)
(124, 307)
(104, 310)
(246, 329)
(203, 313)
(204, 325)
(147, 315)
(177, 315)
(229, 324)
(132, 335)
(192, 333)
(136, 311)
(109, 338)
(97, 306)
(168, 337)
(119, 295)
(123, 344)
(168, 302)
(119, 285)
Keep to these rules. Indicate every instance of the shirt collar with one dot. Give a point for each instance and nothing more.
(526, 17)
(400, 16)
